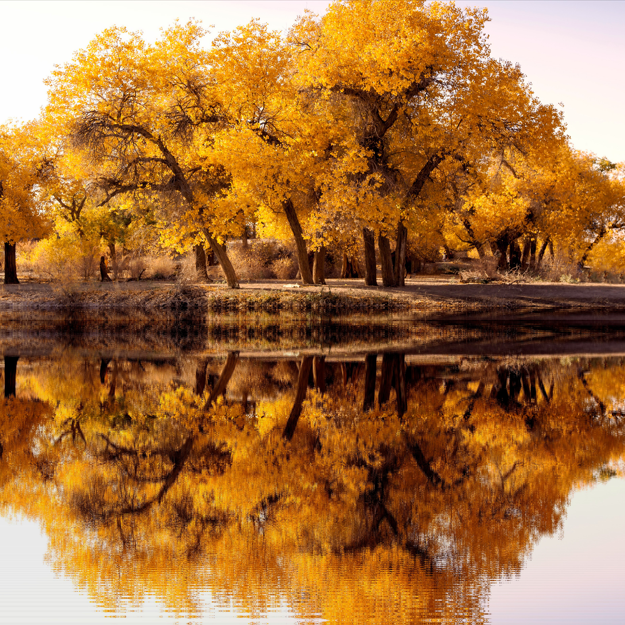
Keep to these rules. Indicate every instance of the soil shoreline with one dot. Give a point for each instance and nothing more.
(422, 298)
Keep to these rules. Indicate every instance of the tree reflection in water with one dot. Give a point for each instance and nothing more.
(372, 490)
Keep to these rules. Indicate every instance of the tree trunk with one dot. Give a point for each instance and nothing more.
(10, 375)
(350, 267)
(210, 258)
(296, 229)
(515, 255)
(319, 373)
(400, 255)
(319, 266)
(400, 385)
(386, 378)
(302, 387)
(104, 365)
(584, 258)
(532, 265)
(10, 266)
(481, 250)
(501, 246)
(104, 271)
(541, 253)
(388, 271)
(200, 376)
(525, 255)
(370, 378)
(224, 378)
(222, 256)
(200, 263)
(370, 267)
(113, 253)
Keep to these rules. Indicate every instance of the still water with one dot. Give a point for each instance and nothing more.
(407, 475)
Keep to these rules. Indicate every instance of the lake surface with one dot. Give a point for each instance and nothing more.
(277, 472)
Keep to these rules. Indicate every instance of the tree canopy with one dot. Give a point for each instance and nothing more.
(384, 119)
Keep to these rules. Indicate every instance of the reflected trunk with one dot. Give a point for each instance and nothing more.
(302, 387)
(10, 375)
(370, 379)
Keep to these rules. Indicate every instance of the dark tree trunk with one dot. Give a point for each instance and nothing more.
(541, 253)
(533, 254)
(388, 271)
(386, 378)
(525, 256)
(346, 267)
(200, 376)
(296, 229)
(200, 263)
(10, 266)
(370, 266)
(515, 255)
(400, 255)
(224, 378)
(302, 387)
(104, 271)
(211, 261)
(584, 258)
(104, 365)
(400, 385)
(113, 254)
(319, 373)
(10, 375)
(319, 266)
(222, 256)
(501, 246)
(370, 379)
(481, 250)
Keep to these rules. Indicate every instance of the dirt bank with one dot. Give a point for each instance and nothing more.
(422, 298)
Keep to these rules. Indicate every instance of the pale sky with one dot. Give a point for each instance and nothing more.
(571, 52)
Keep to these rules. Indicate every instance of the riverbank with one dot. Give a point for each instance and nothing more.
(421, 298)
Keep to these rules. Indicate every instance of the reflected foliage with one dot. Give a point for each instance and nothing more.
(356, 489)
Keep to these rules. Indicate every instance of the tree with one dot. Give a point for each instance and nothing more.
(436, 96)
(143, 113)
(21, 171)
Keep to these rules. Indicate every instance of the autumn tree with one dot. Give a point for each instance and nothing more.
(435, 97)
(22, 169)
(141, 113)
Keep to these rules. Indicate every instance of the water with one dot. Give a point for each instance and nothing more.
(345, 473)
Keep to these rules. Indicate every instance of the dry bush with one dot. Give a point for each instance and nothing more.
(161, 267)
(284, 268)
(62, 259)
(186, 269)
(481, 270)
(560, 268)
(24, 258)
(255, 261)
(136, 266)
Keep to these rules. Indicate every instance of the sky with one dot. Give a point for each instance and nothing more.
(571, 52)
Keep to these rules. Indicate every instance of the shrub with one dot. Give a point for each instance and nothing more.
(255, 261)
(161, 267)
(284, 268)
(63, 258)
(560, 268)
